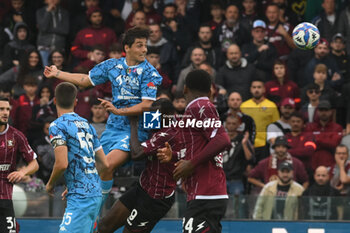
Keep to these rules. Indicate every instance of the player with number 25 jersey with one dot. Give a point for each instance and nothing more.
(77, 150)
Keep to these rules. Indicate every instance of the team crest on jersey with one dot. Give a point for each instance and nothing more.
(10, 143)
(139, 71)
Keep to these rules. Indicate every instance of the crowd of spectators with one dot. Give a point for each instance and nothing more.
(278, 103)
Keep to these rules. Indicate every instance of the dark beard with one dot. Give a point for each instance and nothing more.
(205, 42)
(3, 123)
(285, 182)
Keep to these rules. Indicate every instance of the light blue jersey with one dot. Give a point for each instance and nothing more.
(130, 84)
(81, 140)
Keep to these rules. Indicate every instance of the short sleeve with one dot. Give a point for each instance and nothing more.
(151, 80)
(96, 142)
(99, 74)
(57, 136)
(25, 150)
(273, 132)
(275, 114)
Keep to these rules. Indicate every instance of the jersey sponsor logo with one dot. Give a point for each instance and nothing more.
(4, 167)
(90, 171)
(151, 85)
(88, 160)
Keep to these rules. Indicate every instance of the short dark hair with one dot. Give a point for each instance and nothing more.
(273, 4)
(153, 50)
(217, 4)
(170, 5)
(4, 99)
(179, 95)
(258, 80)
(135, 33)
(198, 80)
(30, 80)
(95, 101)
(165, 92)
(279, 62)
(297, 114)
(164, 105)
(98, 47)
(65, 94)
(116, 47)
(6, 88)
(342, 146)
(204, 25)
(312, 86)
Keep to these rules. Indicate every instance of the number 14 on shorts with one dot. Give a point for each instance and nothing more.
(188, 226)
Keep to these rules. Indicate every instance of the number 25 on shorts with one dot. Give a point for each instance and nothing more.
(67, 218)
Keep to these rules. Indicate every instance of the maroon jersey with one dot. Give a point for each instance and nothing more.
(157, 178)
(208, 180)
(12, 143)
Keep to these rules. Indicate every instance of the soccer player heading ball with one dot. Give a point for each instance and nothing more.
(134, 87)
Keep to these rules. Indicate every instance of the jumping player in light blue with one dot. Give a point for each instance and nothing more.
(134, 86)
(79, 155)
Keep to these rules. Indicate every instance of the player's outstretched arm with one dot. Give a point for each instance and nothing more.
(101, 161)
(136, 149)
(81, 80)
(217, 144)
(17, 176)
(135, 110)
(61, 164)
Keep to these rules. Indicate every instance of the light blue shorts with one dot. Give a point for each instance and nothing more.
(80, 214)
(113, 138)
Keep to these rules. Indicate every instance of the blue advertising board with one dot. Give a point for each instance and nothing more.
(174, 226)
